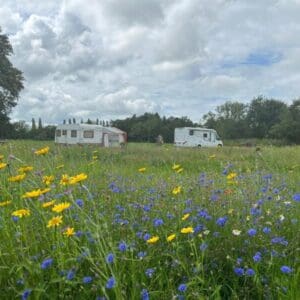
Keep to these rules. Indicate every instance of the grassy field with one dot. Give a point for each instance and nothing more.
(149, 222)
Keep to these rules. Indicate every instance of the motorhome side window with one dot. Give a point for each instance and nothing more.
(205, 135)
(191, 132)
(73, 133)
(64, 132)
(58, 132)
(88, 134)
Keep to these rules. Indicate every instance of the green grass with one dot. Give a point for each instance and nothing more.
(117, 209)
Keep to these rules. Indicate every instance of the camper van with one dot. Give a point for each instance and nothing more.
(196, 137)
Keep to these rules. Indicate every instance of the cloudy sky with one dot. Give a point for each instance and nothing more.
(111, 59)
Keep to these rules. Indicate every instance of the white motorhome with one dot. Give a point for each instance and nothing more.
(196, 137)
(89, 134)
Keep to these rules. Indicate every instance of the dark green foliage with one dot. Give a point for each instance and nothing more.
(147, 127)
(11, 83)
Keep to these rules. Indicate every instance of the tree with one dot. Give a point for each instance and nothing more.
(263, 114)
(229, 120)
(40, 124)
(11, 82)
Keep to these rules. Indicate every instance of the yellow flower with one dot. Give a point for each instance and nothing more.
(187, 230)
(175, 167)
(61, 207)
(2, 165)
(49, 203)
(55, 221)
(48, 179)
(153, 240)
(212, 156)
(185, 217)
(77, 178)
(65, 179)
(176, 190)
(171, 237)
(69, 231)
(4, 203)
(32, 194)
(179, 170)
(230, 211)
(21, 213)
(142, 170)
(17, 178)
(231, 176)
(25, 169)
(42, 151)
(46, 190)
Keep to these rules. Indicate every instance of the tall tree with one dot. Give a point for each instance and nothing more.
(11, 83)
(40, 124)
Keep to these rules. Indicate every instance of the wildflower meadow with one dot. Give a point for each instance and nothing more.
(149, 222)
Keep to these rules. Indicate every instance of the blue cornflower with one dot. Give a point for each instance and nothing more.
(70, 275)
(87, 279)
(79, 202)
(46, 263)
(15, 218)
(257, 257)
(221, 221)
(254, 211)
(111, 282)
(146, 236)
(252, 232)
(122, 246)
(266, 230)
(26, 294)
(110, 258)
(145, 295)
(158, 222)
(214, 197)
(250, 272)
(296, 197)
(149, 272)
(239, 260)
(198, 228)
(141, 254)
(286, 270)
(279, 240)
(182, 287)
(239, 271)
(203, 246)
(170, 216)
(147, 207)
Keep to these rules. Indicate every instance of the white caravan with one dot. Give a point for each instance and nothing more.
(89, 134)
(196, 137)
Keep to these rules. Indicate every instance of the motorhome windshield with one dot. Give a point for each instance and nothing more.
(217, 137)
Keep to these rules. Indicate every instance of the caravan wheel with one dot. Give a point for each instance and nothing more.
(199, 146)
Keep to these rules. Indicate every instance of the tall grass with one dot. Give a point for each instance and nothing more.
(150, 222)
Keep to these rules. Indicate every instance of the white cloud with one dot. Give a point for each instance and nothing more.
(176, 57)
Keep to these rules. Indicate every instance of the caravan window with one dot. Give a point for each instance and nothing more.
(205, 135)
(73, 133)
(58, 133)
(64, 132)
(191, 132)
(88, 134)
